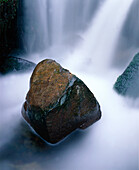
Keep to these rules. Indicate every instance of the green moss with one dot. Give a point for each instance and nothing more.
(129, 77)
(8, 26)
(8, 10)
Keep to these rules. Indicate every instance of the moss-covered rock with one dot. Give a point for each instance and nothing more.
(8, 26)
(128, 83)
(15, 64)
(58, 102)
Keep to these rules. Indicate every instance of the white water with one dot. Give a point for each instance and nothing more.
(13, 89)
(109, 144)
(36, 31)
(101, 37)
(54, 23)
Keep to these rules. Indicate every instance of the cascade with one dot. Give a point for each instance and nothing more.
(99, 41)
(128, 41)
(51, 23)
(35, 28)
(105, 145)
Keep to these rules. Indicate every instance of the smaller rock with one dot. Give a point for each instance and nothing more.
(128, 83)
(58, 102)
(14, 64)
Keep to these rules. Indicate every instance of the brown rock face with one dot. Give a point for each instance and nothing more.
(58, 102)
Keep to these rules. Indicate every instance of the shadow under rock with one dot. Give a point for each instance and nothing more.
(25, 147)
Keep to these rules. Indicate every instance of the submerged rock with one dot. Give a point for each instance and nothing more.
(58, 102)
(128, 83)
(14, 64)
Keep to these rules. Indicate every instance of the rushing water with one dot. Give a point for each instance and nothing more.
(109, 144)
(54, 23)
(97, 49)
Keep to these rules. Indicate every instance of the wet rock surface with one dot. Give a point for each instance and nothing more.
(128, 83)
(58, 102)
(14, 64)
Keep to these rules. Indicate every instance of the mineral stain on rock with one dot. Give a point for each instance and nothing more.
(58, 102)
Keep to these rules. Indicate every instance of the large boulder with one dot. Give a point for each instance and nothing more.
(58, 102)
(15, 64)
(128, 83)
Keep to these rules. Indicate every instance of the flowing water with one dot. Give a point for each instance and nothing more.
(97, 49)
(53, 23)
(83, 36)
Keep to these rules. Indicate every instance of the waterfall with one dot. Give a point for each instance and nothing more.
(53, 26)
(99, 41)
(89, 30)
(57, 19)
(50, 23)
(128, 42)
(35, 31)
